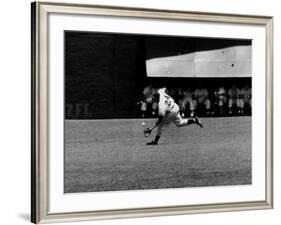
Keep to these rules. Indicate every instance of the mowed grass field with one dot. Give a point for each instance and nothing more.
(109, 155)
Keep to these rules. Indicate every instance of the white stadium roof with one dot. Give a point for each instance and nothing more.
(227, 62)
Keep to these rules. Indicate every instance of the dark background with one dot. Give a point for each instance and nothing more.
(105, 73)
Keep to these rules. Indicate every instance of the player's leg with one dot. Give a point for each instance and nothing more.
(180, 122)
(160, 129)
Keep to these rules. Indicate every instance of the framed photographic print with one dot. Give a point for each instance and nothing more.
(145, 112)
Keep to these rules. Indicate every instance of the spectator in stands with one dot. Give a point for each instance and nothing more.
(176, 94)
(172, 92)
(221, 99)
(201, 99)
(245, 99)
(187, 103)
(233, 99)
(148, 104)
(216, 101)
(154, 106)
(179, 96)
(146, 101)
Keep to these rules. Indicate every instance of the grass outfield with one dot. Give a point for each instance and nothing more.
(108, 155)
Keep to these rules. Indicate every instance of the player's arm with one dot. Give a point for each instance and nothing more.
(160, 118)
(148, 130)
(161, 114)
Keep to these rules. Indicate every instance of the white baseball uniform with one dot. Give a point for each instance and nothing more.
(170, 112)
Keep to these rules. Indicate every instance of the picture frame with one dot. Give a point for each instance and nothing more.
(41, 111)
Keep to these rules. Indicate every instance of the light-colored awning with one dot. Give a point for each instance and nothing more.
(227, 62)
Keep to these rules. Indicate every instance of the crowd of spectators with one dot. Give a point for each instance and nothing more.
(219, 101)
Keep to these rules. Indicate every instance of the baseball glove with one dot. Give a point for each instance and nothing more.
(147, 132)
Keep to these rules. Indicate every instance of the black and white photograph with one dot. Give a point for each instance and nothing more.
(140, 112)
(156, 111)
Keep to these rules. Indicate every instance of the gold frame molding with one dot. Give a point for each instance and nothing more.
(39, 99)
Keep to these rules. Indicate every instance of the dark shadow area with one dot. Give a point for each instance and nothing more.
(105, 73)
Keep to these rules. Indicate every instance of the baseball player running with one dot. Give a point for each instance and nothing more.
(168, 111)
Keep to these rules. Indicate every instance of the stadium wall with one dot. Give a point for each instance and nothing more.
(106, 73)
(103, 73)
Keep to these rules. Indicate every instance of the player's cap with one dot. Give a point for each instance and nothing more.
(162, 90)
